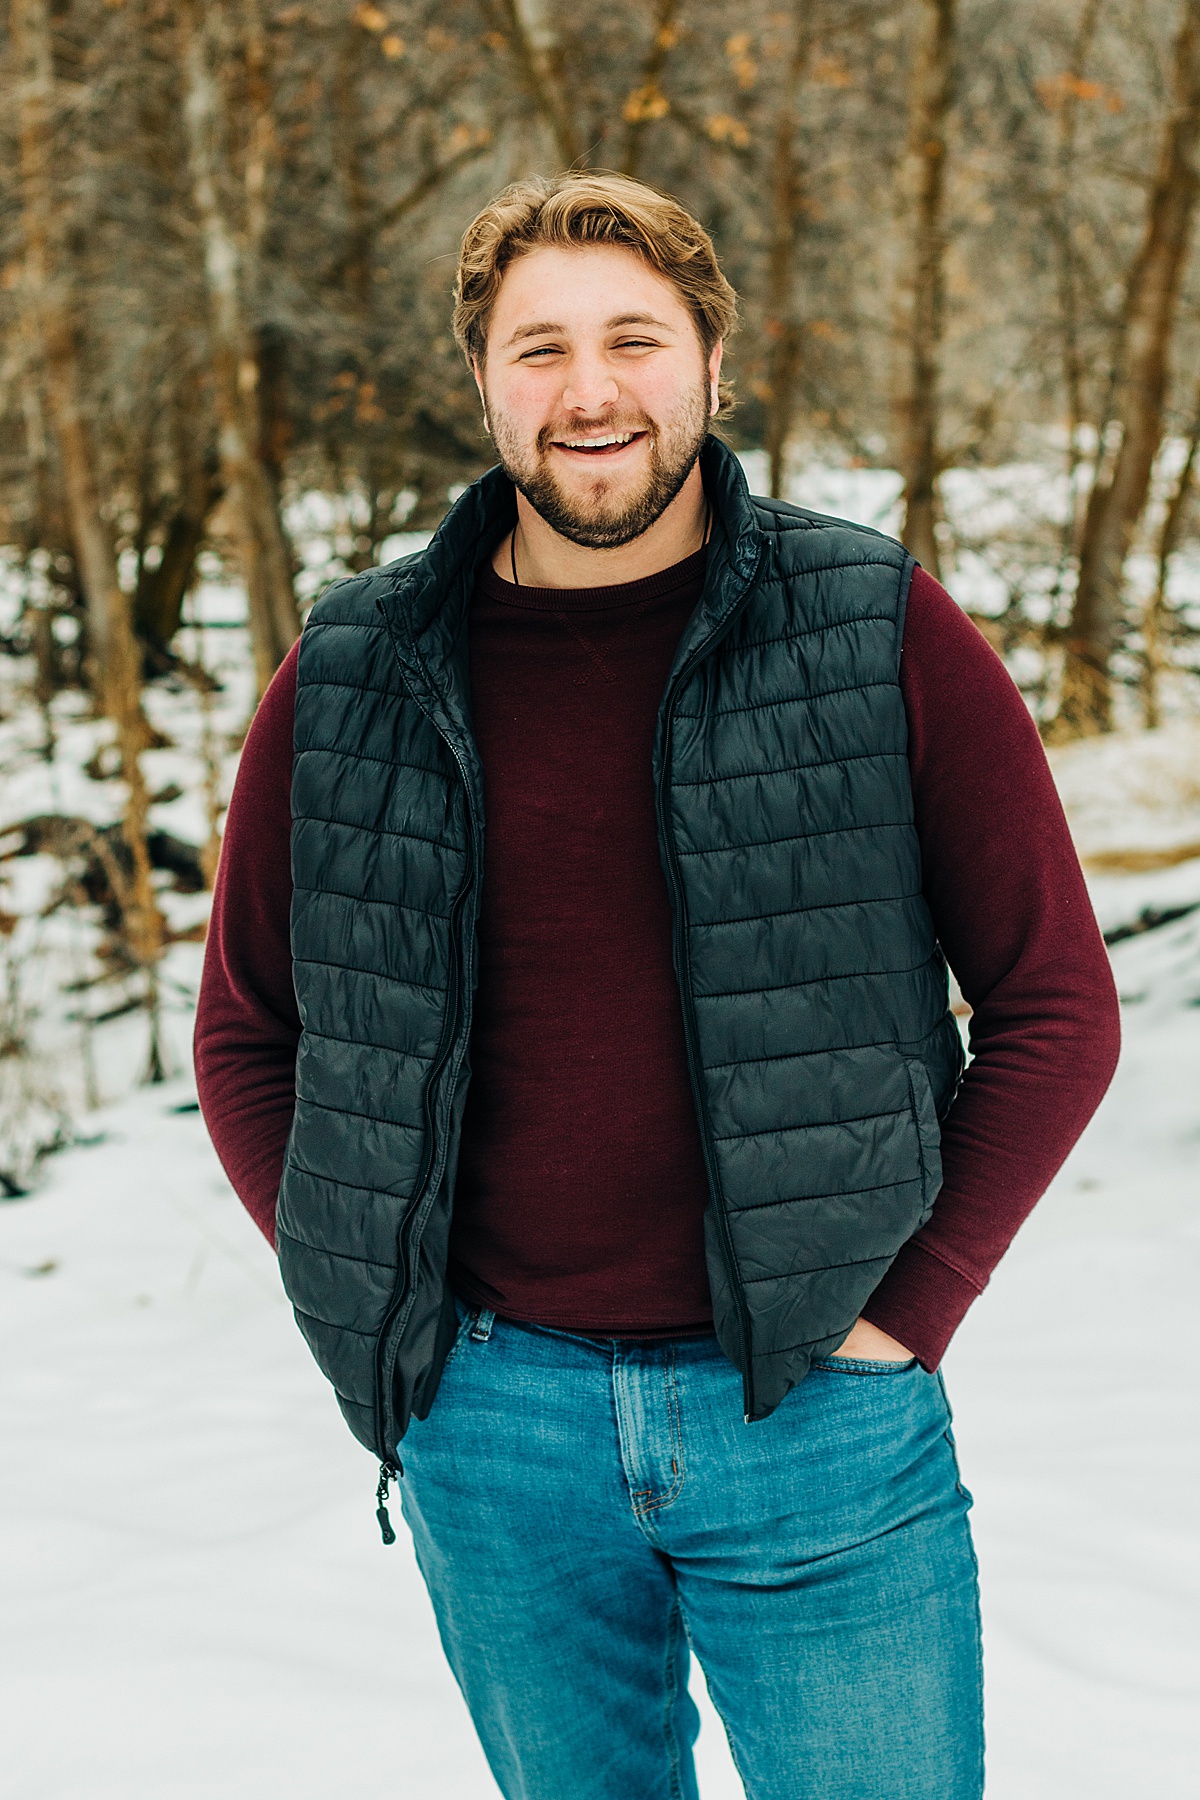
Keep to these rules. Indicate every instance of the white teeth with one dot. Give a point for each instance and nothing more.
(597, 443)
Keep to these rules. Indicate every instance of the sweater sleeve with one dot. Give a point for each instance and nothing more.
(1012, 914)
(247, 1022)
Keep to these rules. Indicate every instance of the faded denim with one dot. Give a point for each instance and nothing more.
(586, 1513)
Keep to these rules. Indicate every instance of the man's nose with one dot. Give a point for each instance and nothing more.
(590, 386)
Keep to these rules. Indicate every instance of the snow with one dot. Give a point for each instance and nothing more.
(195, 1597)
(44, 951)
(1132, 790)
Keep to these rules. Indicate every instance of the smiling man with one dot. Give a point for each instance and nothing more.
(602, 458)
(575, 1022)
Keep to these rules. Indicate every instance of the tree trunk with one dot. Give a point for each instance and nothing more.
(1118, 496)
(1067, 259)
(921, 313)
(158, 602)
(49, 309)
(529, 27)
(262, 542)
(784, 332)
(160, 593)
(1154, 618)
(647, 102)
(354, 266)
(114, 650)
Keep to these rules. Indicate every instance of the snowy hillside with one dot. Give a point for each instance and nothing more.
(196, 1600)
(196, 1603)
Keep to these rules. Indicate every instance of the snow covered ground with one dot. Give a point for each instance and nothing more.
(195, 1599)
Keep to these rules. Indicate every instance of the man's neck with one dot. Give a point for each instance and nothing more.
(544, 558)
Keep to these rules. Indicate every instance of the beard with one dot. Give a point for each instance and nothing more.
(607, 513)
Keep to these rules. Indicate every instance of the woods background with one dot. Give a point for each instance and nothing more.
(962, 235)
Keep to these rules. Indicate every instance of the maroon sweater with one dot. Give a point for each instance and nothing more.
(581, 1185)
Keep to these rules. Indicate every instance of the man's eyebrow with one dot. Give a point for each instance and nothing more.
(638, 318)
(548, 328)
(528, 331)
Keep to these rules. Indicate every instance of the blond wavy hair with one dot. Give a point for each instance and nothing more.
(574, 210)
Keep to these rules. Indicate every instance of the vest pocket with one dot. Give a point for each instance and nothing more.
(929, 1133)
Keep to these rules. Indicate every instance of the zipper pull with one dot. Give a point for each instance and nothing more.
(387, 1471)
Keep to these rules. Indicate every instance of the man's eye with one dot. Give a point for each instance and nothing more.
(542, 350)
(637, 344)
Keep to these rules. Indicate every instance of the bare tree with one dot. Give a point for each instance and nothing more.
(921, 309)
(50, 309)
(328, 155)
(115, 654)
(647, 102)
(1156, 616)
(532, 32)
(1063, 225)
(230, 259)
(788, 206)
(1122, 483)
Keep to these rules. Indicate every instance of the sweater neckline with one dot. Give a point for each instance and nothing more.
(680, 575)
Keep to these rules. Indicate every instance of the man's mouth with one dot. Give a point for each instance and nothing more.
(598, 444)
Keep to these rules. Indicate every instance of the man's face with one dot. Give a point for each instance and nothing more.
(597, 390)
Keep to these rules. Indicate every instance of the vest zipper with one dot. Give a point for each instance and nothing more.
(434, 1163)
(434, 1156)
(386, 1472)
(667, 837)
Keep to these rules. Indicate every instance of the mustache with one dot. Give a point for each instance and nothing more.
(550, 434)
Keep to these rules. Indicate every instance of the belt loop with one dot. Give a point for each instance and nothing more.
(481, 1330)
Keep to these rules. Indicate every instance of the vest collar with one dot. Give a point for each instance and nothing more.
(733, 510)
(735, 549)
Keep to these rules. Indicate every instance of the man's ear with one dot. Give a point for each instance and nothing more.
(477, 372)
(714, 379)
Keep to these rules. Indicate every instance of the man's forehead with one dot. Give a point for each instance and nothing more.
(557, 289)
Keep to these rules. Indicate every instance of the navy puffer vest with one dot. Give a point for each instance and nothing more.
(821, 1047)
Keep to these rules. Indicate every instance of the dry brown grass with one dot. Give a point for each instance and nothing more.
(1139, 862)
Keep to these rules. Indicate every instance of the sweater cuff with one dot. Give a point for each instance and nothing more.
(920, 1302)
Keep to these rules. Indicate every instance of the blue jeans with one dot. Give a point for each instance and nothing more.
(586, 1512)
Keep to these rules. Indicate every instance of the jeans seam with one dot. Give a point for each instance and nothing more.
(948, 1435)
(672, 1698)
(979, 1686)
(645, 1501)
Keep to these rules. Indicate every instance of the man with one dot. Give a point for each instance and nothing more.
(603, 1098)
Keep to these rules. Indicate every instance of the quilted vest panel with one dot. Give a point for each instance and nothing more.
(382, 863)
(824, 1049)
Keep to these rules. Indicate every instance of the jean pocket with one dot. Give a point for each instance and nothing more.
(863, 1365)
